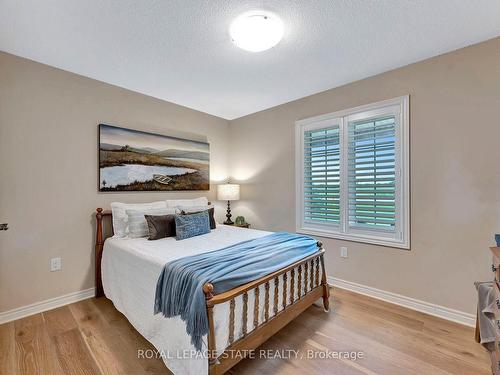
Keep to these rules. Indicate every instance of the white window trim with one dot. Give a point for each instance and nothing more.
(403, 169)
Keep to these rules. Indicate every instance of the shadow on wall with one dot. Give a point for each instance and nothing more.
(91, 268)
(261, 209)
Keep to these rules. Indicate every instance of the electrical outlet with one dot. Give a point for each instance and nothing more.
(55, 264)
(343, 252)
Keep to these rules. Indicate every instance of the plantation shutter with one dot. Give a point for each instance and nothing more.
(372, 174)
(322, 176)
(352, 174)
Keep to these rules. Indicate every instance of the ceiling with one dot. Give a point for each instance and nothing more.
(180, 50)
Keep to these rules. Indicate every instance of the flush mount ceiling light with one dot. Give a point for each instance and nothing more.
(256, 31)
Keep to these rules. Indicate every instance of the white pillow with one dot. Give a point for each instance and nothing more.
(120, 217)
(137, 224)
(202, 201)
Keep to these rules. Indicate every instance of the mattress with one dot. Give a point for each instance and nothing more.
(130, 270)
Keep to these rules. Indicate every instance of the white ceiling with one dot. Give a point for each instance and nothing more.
(180, 51)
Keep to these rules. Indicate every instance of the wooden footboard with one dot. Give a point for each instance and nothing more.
(298, 286)
(305, 289)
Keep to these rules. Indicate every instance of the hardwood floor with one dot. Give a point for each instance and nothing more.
(92, 337)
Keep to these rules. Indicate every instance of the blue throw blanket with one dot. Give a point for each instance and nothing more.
(179, 290)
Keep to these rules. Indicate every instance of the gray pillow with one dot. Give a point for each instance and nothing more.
(187, 226)
(160, 226)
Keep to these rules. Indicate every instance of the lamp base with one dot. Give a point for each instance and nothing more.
(228, 215)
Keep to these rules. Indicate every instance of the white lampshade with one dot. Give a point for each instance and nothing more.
(228, 192)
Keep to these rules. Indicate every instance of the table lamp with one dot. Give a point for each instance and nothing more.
(228, 192)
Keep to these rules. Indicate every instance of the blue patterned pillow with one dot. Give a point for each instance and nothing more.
(187, 226)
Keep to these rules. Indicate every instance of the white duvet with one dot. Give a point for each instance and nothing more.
(130, 270)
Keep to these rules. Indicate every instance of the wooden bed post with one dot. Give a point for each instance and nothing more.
(324, 283)
(99, 242)
(212, 354)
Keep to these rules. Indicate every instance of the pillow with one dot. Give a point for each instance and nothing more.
(160, 226)
(202, 201)
(137, 225)
(195, 210)
(120, 217)
(187, 226)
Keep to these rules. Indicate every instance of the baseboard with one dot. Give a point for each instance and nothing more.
(410, 303)
(48, 304)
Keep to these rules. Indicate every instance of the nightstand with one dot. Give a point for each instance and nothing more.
(240, 226)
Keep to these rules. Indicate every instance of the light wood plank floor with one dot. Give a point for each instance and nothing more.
(92, 337)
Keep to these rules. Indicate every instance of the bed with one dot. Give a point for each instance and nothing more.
(240, 319)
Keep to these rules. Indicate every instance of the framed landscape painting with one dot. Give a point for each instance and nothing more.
(132, 160)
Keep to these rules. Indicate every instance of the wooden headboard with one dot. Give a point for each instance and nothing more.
(99, 244)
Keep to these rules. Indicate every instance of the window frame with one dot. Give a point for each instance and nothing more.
(401, 238)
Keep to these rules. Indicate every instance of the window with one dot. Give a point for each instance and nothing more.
(352, 173)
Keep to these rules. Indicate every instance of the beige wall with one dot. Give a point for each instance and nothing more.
(455, 174)
(48, 181)
(48, 173)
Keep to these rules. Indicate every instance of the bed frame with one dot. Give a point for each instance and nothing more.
(303, 293)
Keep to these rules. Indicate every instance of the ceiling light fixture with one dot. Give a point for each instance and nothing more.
(256, 31)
